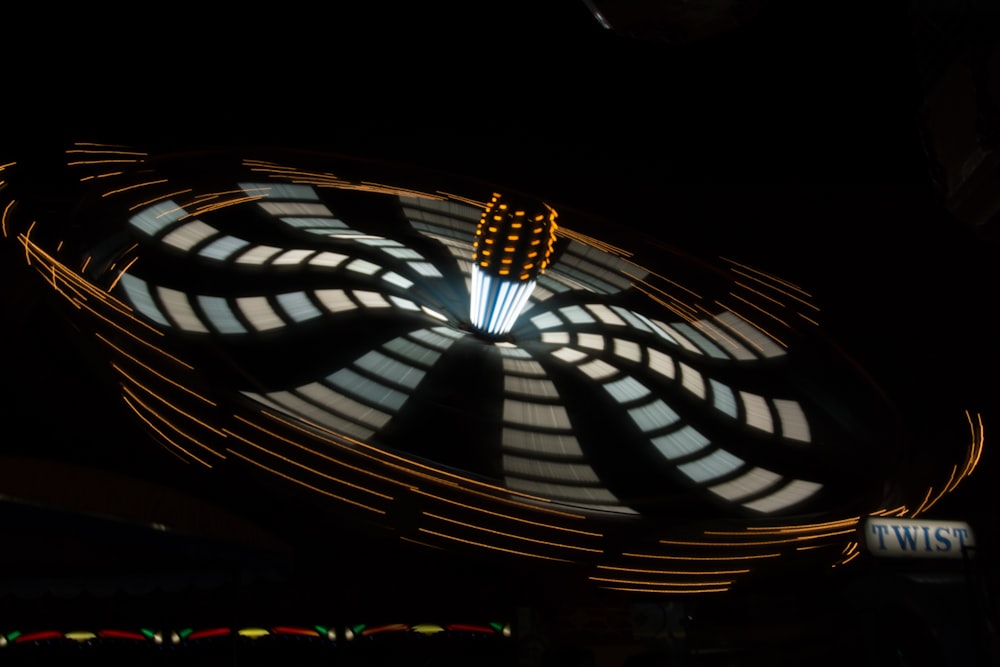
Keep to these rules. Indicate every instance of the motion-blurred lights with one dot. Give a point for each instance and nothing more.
(511, 250)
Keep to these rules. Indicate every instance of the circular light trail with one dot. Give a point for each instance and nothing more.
(662, 424)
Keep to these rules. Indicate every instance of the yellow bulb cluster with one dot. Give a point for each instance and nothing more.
(512, 244)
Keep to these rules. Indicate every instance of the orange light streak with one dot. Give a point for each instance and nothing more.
(94, 177)
(355, 447)
(115, 150)
(669, 281)
(168, 403)
(714, 332)
(769, 276)
(504, 500)
(7, 210)
(326, 457)
(121, 273)
(162, 434)
(850, 521)
(458, 198)
(789, 540)
(27, 241)
(752, 324)
(896, 511)
(669, 306)
(370, 454)
(924, 504)
(136, 338)
(55, 283)
(150, 202)
(808, 304)
(676, 591)
(305, 484)
(438, 476)
(702, 558)
(392, 189)
(593, 242)
(493, 547)
(105, 161)
(850, 558)
(122, 310)
(170, 451)
(166, 421)
(976, 447)
(511, 535)
(421, 543)
(156, 372)
(202, 208)
(477, 508)
(314, 471)
(134, 186)
(657, 583)
(713, 573)
(762, 310)
(760, 294)
(807, 319)
(69, 277)
(58, 275)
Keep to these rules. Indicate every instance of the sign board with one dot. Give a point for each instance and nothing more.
(916, 538)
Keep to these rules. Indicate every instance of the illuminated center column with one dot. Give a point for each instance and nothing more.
(511, 250)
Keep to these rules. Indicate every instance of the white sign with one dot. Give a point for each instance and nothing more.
(916, 538)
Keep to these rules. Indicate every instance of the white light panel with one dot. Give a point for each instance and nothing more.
(794, 493)
(258, 255)
(682, 442)
(749, 483)
(189, 235)
(537, 442)
(536, 414)
(717, 464)
(605, 315)
(794, 424)
(653, 416)
(370, 391)
(137, 292)
(223, 248)
(154, 219)
(661, 363)
(343, 405)
(178, 308)
(335, 300)
(292, 257)
(692, 380)
(724, 399)
(220, 315)
(298, 306)
(390, 369)
(626, 390)
(525, 386)
(557, 471)
(296, 209)
(258, 312)
(758, 415)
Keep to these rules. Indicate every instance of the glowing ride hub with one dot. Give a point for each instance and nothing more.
(511, 250)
